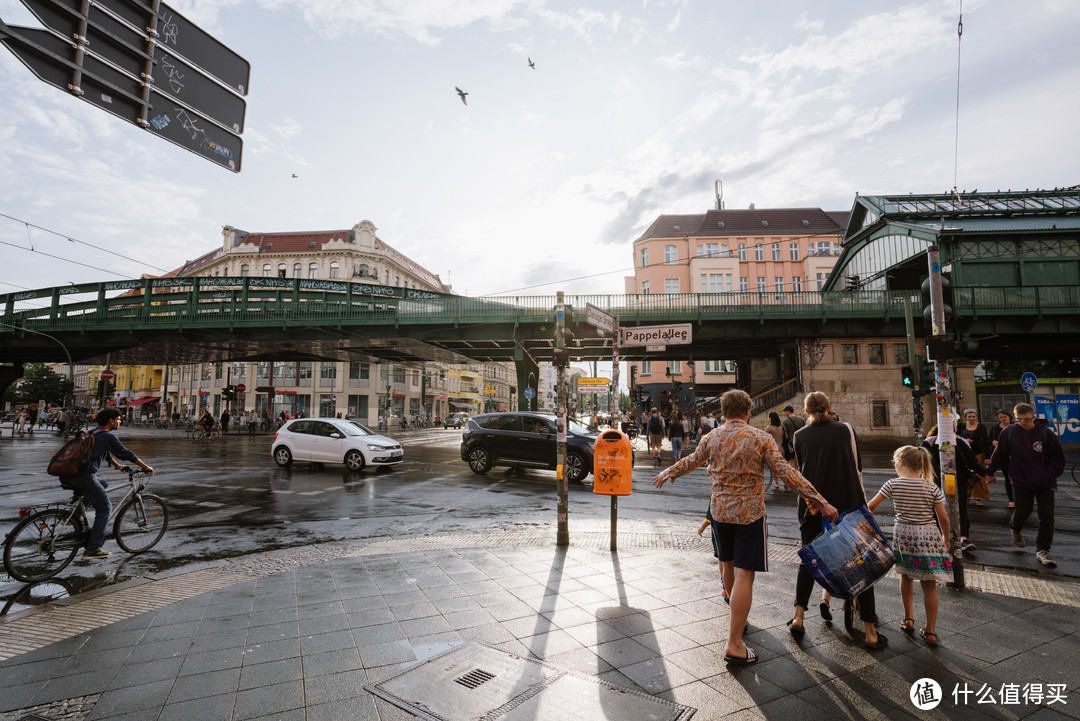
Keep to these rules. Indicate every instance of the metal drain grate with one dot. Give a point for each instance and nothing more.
(474, 678)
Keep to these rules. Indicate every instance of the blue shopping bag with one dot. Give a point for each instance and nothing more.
(850, 557)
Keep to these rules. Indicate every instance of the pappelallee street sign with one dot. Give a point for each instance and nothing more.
(155, 70)
(677, 334)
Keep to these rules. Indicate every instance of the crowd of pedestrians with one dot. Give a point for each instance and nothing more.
(818, 456)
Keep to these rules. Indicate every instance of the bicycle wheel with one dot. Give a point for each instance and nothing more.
(213, 434)
(42, 545)
(140, 523)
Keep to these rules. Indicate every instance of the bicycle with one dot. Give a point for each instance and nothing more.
(46, 540)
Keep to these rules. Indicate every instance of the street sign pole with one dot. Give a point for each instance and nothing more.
(954, 493)
(562, 536)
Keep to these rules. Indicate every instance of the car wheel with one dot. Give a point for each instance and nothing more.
(283, 456)
(354, 460)
(479, 460)
(575, 470)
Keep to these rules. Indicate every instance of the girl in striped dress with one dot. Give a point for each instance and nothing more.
(918, 541)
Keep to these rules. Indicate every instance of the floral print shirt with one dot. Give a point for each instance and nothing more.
(737, 454)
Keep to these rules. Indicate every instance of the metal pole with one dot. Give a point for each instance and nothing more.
(917, 391)
(946, 421)
(614, 522)
(613, 393)
(562, 537)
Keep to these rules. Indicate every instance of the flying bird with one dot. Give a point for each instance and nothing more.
(462, 93)
(532, 64)
(295, 175)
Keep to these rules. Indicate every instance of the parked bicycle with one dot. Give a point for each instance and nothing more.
(46, 540)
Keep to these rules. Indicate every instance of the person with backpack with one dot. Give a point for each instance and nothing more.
(106, 447)
(790, 424)
(1032, 457)
(655, 430)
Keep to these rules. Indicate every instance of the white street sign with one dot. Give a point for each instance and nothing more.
(599, 319)
(678, 334)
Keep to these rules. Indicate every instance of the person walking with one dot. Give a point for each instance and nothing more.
(106, 447)
(775, 430)
(1004, 421)
(61, 421)
(922, 525)
(737, 455)
(790, 424)
(979, 439)
(1031, 455)
(827, 455)
(676, 434)
(251, 419)
(655, 429)
(225, 418)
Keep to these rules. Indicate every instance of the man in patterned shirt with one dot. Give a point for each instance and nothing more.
(737, 454)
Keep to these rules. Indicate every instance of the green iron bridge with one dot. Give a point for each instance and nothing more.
(192, 320)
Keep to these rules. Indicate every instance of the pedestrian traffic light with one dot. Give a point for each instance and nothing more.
(907, 377)
(926, 374)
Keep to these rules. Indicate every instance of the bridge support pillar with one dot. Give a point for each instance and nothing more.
(528, 376)
(10, 374)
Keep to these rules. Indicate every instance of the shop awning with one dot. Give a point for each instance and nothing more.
(140, 401)
(466, 406)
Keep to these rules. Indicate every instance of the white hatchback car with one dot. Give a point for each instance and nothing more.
(334, 440)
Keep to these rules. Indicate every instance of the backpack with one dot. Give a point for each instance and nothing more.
(74, 458)
(656, 426)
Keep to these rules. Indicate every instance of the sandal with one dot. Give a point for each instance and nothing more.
(823, 607)
(797, 632)
(930, 637)
(908, 625)
(750, 658)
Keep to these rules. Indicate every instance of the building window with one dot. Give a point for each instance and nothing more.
(850, 353)
(796, 284)
(646, 368)
(778, 284)
(674, 367)
(821, 279)
(359, 371)
(900, 353)
(219, 370)
(266, 270)
(744, 284)
(644, 257)
(281, 270)
(239, 370)
(760, 284)
(712, 250)
(262, 369)
(297, 270)
(759, 252)
(824, 247)
(334, 269)
(879, 414)
(742, 252)
(303, 371)
(671, 285)
(358, 408)
(644, 287)
(776, 251)
(716, 366)
(793, 251)
(671, 254)
(328, 370)
(876, 354)
(313, 270)
(715, 282)
(362, 270)
(700, 251)
(244, 270)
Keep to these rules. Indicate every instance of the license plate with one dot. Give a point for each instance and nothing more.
(395, 453)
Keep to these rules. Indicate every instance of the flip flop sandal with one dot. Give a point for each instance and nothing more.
(826, 614)
(881, 642)
(930, 637)
(750, 658)
(797, 632)
(908, 625)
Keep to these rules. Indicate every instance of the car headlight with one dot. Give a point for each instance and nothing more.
(375, 448)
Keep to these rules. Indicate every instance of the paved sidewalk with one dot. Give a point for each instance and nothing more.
(298, 634)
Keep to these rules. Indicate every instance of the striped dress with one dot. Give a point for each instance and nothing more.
(920, 550)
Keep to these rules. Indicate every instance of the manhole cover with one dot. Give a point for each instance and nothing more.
(477, 681)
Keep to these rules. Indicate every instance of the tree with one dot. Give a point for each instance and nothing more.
(1011, 370)
(39, 383)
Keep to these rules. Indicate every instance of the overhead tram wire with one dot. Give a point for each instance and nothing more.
(68, 238)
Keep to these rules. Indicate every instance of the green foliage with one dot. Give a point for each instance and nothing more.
(39, 383)
(1011, 370)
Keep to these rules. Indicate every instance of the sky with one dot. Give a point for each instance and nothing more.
(544, 179)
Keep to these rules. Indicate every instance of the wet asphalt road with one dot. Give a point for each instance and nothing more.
(228, 498)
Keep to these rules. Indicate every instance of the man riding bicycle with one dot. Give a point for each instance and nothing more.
(106, 447)
(206, 422)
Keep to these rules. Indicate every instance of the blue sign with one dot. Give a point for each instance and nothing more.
(1028, 381)
(530, 393)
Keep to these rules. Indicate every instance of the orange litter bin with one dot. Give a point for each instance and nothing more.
(612, 464)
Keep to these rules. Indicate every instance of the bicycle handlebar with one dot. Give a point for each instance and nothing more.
(132, 471)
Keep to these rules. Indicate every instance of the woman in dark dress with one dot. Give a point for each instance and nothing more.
(826, 453)
(1004, 421)
(979, 440)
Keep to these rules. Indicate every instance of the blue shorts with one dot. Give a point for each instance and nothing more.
(745, 544)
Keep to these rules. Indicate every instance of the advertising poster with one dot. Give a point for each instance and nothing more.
(1067, 418)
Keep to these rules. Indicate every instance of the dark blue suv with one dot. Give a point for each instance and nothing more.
(528, 440)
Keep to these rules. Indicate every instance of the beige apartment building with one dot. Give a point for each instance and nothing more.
(729, 251)
(361, 390)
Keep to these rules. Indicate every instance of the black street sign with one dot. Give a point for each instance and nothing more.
(192, 131)
(125, 48)
(51, 59)
(188, 40)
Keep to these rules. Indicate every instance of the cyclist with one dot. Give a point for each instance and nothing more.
(206, 422)
(106, 447)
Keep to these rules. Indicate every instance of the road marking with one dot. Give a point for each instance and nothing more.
(210, 504)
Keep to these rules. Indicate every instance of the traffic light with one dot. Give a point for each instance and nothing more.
(676, 386)
(907, 377)
(926, 374)
(853, 282)
(560, 357)
(946, 299)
